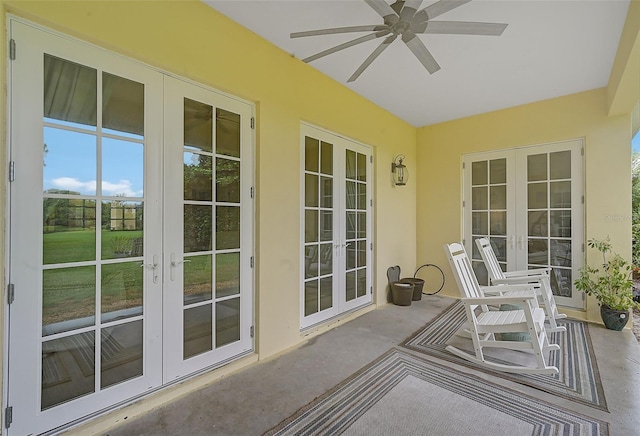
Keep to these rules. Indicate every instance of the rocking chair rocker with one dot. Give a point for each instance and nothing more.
(484, 323)
(538, 277)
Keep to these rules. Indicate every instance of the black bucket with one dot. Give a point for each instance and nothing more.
(402, 293)
(418, 284)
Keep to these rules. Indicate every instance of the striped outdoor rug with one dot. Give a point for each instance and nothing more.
(578, 381)
(403, 394)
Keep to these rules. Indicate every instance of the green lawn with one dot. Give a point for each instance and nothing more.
(80, 245)
(69, 293)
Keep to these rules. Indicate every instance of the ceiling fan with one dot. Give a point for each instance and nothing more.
(404, 19)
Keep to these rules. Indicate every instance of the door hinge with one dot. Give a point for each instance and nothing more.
(252, 192)
(464, 241)
(10, 293)
(371, 202)
(463, 203)
(371, 159)
(582, 151)
(251, 330)
(583, 247)
(253, 123)
(371, 290)
(371, 246)
(251, 262)
(12, 49)
(12, 171)
(463, 165)
(8, 416)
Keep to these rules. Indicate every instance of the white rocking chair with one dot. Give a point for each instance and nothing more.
(539, 277)
(484, 324)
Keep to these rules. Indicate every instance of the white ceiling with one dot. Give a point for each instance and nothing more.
(549, 49)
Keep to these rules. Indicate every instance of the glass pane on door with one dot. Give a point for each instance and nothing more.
(549, 192)
(488, 212)
(356, 217)
(93, 233)
(211, 234)
(318, 226)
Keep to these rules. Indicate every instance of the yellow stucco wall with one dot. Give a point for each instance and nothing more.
(584, 115)
(192, 40)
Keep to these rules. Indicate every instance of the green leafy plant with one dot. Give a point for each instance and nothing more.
(611, 283)
(635, 252)
(121, 244)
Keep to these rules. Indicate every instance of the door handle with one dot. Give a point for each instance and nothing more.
(521, 242)
(510, 241)
(152, 266)
(174, 264)
(344, 246)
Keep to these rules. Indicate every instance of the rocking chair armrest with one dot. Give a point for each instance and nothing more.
(524, 299)
(505, 289)
(519, 279)
(528, 272)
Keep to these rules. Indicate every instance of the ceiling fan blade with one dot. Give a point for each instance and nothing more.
(372, 57)
(347, 45)
(420, 51)
(381, 7)
(460, 28)
(436, 9)
(372, 27)
(409, 9)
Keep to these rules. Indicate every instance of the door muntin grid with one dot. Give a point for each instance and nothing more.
(545, 212)
(212, 228)
(489, 211)
(549, 227)
(356, 207)
(93, 231)
(336, 225)
(318, 226)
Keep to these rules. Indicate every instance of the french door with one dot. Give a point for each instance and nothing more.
(337, 225)
(529, 203)
(130, 230)
(208, 288)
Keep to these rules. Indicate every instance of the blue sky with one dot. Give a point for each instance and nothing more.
(635, 142)
(71, 162)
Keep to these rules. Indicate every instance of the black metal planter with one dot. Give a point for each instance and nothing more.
(614, 319)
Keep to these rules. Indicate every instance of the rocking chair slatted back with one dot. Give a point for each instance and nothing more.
(490, 260)
(468, 283)
(465, 277)
(538, 276)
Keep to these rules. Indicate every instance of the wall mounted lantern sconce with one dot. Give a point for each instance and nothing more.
(399, 171)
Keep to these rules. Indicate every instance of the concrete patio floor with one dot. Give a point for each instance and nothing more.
(253, 400)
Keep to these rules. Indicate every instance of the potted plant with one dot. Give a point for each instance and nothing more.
(121, 246)
(611, 284)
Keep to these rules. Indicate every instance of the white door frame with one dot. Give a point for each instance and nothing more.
(174, 365)
(517, 216)
(340, 305)
(27, 416)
